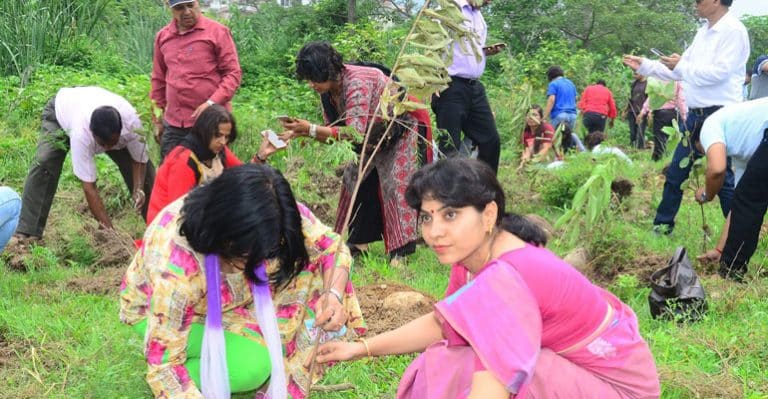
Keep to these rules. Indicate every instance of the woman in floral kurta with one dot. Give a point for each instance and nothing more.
(165, 290)
(350, 97)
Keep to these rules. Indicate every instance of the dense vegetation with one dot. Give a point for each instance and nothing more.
(48, 313)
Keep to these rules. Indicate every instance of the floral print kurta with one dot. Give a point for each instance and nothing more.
(165, 284)
(395, 163)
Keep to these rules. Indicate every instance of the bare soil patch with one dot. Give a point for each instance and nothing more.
(17, 250)
(622, 188)
(382, 314)
(104, 281)
(8, 350)
(642, 266)
(116, 247)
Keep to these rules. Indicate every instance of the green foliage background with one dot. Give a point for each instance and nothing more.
(45, 45)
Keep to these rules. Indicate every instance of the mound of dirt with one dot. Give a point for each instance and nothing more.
(16, 251)
(388, 306)
(8, 350)
(542, 223)
(622, 188)
(641, 267)
(116, 248)
(105, 281)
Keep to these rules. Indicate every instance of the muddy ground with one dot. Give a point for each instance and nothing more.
(381, 318)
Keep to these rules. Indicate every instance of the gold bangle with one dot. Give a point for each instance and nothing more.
(367, 348)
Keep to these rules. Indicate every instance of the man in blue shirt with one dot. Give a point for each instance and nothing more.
(561, 99)
(739, 132)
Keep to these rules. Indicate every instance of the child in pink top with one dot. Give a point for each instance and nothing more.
(518, 322)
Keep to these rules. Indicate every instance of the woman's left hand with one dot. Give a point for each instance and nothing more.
(288, 135)
(300, 126)
(332, 315)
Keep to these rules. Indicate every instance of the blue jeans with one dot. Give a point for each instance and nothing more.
(564, 117)
(10, 208)
(676, 176)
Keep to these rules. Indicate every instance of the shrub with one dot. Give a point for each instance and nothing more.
(558, 186)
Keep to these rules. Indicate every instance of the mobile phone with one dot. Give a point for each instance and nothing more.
(274, 139)
(285, 119)
(658, 53)
(497, 46)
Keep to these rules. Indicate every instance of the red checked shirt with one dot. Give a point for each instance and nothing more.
(597, 98)
(192, 67)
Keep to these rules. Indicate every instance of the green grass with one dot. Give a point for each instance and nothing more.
(58, 341)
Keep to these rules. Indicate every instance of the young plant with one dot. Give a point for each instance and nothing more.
(677, 136)
(590, 203)
(422, 70)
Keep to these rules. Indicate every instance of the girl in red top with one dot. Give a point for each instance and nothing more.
(202, 156)
(537, 135)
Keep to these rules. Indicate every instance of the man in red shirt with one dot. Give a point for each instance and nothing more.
(194, 66)
(597, 105)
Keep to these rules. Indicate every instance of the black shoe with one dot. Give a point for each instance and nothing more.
(732, 272)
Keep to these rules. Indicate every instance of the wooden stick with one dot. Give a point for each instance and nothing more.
(334, 388)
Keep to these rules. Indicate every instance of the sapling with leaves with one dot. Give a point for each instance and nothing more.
(590, 203)
(422, 69)
(676, 136)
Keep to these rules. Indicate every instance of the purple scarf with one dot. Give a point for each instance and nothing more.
(213, 363)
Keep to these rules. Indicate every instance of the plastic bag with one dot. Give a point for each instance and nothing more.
(676, 291)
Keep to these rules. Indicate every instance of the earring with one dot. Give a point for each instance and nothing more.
(490, 230)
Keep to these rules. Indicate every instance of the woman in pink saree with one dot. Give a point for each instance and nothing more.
(517, 321)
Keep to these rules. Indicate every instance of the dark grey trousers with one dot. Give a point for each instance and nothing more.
(43, 177)
(172, 136)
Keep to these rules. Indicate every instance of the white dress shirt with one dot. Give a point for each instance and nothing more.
(712, 68)
(74, 106)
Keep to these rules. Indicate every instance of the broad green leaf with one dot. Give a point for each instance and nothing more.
(659, 92)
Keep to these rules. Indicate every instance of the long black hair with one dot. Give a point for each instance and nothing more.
(459, 182)
(249, 211)
(206, 128)
(319, 62)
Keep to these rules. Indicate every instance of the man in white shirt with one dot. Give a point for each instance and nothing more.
(712, 73)
(93, 121)
(739, 131)
(759, 81)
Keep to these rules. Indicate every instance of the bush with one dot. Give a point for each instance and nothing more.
(558, 186)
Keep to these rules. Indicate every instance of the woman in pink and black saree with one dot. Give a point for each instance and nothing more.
(517, 321)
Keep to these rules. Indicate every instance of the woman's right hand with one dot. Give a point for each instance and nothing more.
(340, 351)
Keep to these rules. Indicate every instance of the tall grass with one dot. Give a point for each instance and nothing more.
(131, 32)
(33, 31)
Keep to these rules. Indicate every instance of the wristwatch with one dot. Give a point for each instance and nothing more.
(210, 102)
(703, 197)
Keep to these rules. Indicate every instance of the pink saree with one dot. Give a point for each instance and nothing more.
(493, 323)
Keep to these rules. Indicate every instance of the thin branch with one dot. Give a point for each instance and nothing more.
(397, 8)
(363, 166)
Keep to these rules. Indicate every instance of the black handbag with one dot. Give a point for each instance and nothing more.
(676, 291)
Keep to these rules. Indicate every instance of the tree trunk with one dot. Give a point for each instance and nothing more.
(351, 11)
